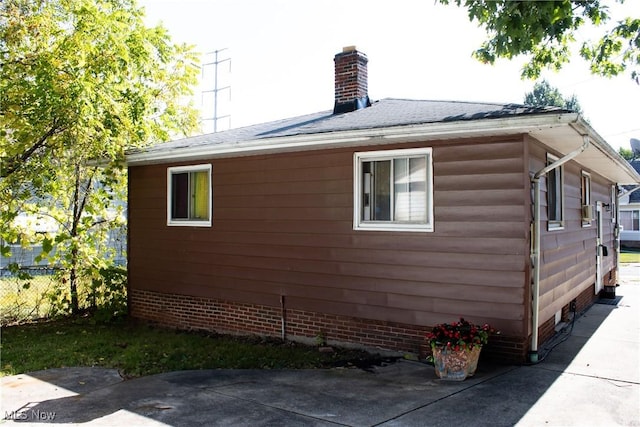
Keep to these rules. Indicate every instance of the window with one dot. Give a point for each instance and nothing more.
(630, 220)
(586, 198)
(189, 195)
(555, 196)
(393, 190)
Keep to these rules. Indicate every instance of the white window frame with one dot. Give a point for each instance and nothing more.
(359, 158)
(189, 222)
(585, 177)
(556, 224)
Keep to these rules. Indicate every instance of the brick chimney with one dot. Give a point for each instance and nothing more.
(351, 81)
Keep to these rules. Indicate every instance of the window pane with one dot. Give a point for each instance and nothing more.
(625, 220)
(554, 195)
(410, 186)
(636, 221)
(367, 183)
(200, 195)
(586, 190)
(180, 195)
(381, 190)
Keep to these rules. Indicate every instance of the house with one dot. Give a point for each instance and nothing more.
(630, 215)
(369, 223)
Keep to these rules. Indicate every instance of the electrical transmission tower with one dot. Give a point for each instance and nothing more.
(213, 73)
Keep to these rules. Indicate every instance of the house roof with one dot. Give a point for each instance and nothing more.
(635, 196)
(399, 120)
(384, 113)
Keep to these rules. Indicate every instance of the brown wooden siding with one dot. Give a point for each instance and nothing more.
(282, 225)
(569, 255)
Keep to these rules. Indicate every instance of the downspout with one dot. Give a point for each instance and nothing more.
(283, 319)
(535, 255)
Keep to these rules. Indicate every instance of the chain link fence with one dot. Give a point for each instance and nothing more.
(30, 289)
(35, 293)
(27, 294)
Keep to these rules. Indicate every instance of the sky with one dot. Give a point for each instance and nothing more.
(281, 58)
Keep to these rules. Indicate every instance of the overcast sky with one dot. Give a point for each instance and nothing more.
(282, 53)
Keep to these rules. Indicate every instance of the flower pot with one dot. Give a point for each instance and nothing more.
(455, 365)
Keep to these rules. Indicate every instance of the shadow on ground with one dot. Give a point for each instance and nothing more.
(400, 393)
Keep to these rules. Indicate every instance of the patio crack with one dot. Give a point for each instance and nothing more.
(277, 408)
(426, 405)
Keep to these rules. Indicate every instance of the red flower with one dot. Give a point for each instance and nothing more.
(462, 334)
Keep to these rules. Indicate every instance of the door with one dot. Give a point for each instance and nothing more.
(599, 247)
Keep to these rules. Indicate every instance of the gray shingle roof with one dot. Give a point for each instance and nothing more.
(385, 113)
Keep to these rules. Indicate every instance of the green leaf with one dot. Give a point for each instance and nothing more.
(545, 31)
(5, 250)
(47, 245)
(79, 81)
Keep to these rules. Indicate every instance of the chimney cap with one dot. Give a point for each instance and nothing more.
(349, 49)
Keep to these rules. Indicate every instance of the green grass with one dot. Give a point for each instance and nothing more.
(627, 257)
(137, 350)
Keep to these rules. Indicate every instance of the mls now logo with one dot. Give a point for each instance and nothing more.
(33, 414)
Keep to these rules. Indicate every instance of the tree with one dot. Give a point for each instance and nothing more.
(81, 81)
(545, 95)
(545, 31)
(626, 153)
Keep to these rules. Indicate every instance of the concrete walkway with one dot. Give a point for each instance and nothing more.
(592, 378)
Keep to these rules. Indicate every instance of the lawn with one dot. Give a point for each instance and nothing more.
(137, 349)
(628, 257)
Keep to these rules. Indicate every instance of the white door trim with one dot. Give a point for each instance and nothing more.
(599, 284)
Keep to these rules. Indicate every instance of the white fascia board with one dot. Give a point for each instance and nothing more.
(584, 128)
(536, 125)
(355, 138)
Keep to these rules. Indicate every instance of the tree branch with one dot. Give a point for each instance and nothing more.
(87, 192)
(14, 164)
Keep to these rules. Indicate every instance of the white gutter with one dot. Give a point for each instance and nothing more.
(346, 138)
(535, 255)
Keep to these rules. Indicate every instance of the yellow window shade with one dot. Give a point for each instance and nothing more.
(200, 195)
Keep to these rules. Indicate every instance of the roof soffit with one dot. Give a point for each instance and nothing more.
(599, 156)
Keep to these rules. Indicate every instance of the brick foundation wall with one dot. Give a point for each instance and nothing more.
(547, 330)
(196, 313)
(506, 349)
(611, 279)
(364, 332)
(586, 298)
(207, 314)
